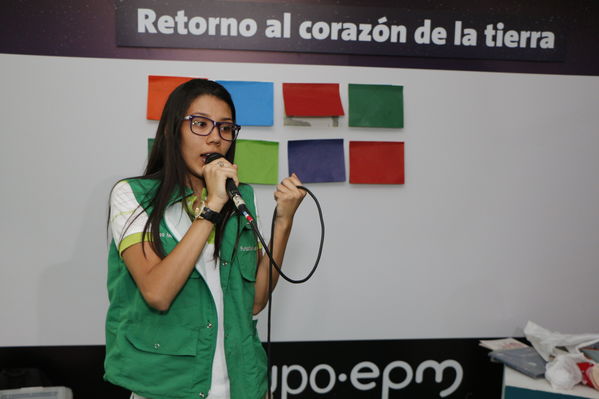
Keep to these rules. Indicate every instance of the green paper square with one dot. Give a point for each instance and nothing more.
(150, 144)
(375, 106)
(258, 161)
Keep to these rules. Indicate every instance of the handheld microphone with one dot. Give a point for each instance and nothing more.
(231, 188)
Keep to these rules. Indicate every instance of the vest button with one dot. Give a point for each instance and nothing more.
(209, 325)
(156, 346)
(201, 395)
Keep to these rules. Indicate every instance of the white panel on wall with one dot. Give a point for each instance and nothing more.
(496, 224)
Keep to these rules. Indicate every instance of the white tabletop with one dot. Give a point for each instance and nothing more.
(514, 378)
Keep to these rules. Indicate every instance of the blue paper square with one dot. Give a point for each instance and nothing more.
(253, 101)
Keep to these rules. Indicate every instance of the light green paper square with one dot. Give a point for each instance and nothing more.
(257, 161)
(375, 106)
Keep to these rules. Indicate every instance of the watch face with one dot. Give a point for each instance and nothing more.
(200, 212)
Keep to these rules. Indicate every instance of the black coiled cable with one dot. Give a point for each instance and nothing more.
(291, 280)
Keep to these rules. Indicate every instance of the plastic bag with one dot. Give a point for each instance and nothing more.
(563, 372)
(545, 341)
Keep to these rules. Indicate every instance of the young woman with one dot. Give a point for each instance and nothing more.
(185, 272)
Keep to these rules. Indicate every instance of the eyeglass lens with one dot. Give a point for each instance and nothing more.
(203, 126)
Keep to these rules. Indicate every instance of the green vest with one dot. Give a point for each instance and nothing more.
(163, 355)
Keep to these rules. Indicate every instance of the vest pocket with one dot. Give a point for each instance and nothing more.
(164, 340)
(248, 272)
(248, 262)
(160, 359)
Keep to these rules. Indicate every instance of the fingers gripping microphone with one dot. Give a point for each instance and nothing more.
(232, 190)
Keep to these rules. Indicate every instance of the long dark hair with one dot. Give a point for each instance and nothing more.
(166, 163)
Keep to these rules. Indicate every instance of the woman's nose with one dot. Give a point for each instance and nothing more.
(214, 136)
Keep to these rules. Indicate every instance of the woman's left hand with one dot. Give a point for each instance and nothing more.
(288, 197)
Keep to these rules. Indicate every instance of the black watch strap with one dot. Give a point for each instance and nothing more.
(209, 215)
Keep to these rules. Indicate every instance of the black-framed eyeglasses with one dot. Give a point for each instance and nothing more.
(203, 126)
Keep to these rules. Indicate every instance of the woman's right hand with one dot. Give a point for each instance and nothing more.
(215, 176)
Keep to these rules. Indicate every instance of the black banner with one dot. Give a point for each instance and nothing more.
(386, 369)
(336, 29)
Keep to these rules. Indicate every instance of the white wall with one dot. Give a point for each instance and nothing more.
(497, 222)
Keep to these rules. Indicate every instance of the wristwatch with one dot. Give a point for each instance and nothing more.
(206, 213)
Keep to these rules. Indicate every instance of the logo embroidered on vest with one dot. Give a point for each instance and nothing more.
(248, 248)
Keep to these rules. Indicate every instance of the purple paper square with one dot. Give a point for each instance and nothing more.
(317, 161)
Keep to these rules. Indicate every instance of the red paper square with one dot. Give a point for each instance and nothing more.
(159, 88)
(312, 99)
(376, 162)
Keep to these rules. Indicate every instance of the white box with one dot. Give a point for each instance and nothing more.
(516, 386)
(37, 393)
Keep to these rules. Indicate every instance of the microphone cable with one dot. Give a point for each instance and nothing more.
(269, 253)
(240, 206)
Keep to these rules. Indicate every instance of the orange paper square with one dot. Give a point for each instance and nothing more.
(159, 88)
